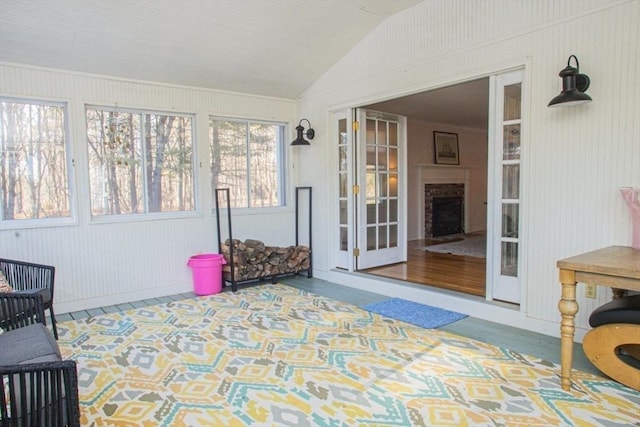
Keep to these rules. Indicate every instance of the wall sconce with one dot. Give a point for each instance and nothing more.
(300, 129)
(574, 85)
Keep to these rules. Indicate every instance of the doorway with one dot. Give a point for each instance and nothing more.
(461, 110)
(474, 112)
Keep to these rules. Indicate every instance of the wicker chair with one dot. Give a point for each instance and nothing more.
(39, 388)
(26, 277)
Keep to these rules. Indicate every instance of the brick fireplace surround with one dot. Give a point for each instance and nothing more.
(439, 190)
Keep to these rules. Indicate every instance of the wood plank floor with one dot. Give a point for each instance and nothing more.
(453, 272)
(525, 342)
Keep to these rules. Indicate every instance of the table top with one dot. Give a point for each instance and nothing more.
(620, 261)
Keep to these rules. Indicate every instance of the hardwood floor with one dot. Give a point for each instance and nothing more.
(453, 272)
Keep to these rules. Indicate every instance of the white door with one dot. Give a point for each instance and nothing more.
(345, 203)
(380, 189)
(505, 156)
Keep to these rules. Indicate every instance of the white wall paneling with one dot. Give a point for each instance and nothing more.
(574, 158)
(100, 263)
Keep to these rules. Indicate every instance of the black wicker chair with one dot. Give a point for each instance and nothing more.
(26, 277)
(38, 388)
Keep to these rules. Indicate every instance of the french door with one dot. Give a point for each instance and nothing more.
(372, 189)
(505, 157)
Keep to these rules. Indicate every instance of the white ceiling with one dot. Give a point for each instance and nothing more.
(266, 47)
(464, 105)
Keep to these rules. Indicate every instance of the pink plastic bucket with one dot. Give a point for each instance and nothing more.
(207, 273)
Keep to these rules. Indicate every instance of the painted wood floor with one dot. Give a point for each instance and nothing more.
(542, 346)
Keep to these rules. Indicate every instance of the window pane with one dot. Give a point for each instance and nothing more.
(371, 211)
(371, 132)
(371, 238)
(33, 161)
(169, 147)
(393, 210)
(509, 259)
(343, 212)
(139, 162)
(393, 134)
(393, 185)
(511, 144)
(264, 143)
(383, 179)
(382, 237)
(342, 158)
(510, 181)
(512, 97)
(393, 159)
(246, 157)
(382, 211)
(393, 236)
(382, 158)
(229, 160)
(342, 178)
(342, 131)
(343, 238)
(510, 220)
(382, 133)
(115, 162)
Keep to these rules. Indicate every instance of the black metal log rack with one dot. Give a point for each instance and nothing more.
(225, 192)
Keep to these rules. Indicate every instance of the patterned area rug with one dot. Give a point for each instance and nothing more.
(275, 355)
(422, 315)
(475, 246)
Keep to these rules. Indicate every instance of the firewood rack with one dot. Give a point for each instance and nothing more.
(225, 192)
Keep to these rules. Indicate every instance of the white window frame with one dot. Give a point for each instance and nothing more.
(146, 215)
(281, 165)
(10, 224)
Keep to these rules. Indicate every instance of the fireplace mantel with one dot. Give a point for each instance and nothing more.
(443, 174)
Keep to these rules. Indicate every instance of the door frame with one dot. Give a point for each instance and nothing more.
(523, 63)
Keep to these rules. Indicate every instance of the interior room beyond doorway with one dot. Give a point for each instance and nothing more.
(461, 109)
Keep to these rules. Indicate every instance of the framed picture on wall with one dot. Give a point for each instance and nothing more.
(446, 148)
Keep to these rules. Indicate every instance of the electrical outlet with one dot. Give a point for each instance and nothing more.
(590, 291)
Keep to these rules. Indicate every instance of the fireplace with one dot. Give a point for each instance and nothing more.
(443, 209)
(447, 216)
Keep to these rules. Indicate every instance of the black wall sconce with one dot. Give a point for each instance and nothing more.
(300, 138)
(574, 85)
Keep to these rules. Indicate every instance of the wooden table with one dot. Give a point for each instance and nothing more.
(617, 267)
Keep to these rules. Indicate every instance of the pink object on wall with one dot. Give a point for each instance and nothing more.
(630, 196)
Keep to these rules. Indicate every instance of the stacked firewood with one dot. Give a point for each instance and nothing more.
(254, 260)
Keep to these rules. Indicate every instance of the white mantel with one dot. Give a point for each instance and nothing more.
(442, 174)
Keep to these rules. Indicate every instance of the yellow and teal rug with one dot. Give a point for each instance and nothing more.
(273, 355)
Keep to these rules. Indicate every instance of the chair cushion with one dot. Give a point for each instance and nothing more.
(621, 310)
(46, 294)
(30, 344)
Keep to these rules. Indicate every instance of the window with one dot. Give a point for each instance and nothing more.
(34, 178)
(247, 158)
(139, 162)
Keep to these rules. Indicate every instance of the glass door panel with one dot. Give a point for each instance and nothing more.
(343, 193)
(507, 159)
(381, 201)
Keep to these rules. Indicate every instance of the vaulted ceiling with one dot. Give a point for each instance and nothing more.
(265, 47)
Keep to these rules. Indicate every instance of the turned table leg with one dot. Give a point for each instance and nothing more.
(618, 293)
(568, 308)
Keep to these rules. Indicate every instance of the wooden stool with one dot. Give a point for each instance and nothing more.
(616, 328)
